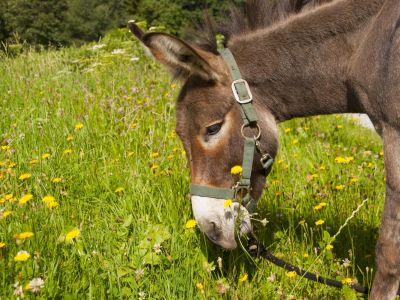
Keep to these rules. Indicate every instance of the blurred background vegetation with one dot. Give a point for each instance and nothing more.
(73, 22)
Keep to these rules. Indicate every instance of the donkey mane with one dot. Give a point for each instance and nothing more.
(254, 15)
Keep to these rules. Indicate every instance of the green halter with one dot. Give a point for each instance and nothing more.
(243, 96)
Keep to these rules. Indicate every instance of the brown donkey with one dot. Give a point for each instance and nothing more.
(339, 57)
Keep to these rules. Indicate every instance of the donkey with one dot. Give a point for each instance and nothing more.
(342, 56)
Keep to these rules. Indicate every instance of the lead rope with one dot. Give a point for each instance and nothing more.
(257, 249)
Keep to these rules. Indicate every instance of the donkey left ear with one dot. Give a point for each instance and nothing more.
(177, 55)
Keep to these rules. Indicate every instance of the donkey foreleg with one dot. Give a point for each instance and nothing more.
(387, 277)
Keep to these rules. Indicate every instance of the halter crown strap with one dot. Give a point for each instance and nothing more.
(240, 88)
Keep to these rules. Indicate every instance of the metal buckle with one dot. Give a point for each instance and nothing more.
(236, 94)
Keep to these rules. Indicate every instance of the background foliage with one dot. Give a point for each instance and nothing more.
(63, 22)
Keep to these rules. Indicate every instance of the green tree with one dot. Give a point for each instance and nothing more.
(178, 15)
(4, 31)
(38, 21)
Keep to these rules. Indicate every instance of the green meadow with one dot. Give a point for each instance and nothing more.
(94, 189)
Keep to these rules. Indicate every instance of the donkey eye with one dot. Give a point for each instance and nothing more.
(214, 128)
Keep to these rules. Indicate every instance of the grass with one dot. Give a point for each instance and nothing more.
(124, 187)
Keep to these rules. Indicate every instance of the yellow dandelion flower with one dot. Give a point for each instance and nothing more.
(190, 224)
(170, 157)
(319, 222)
(119, 190)
(56, 180)
(323, 204)
(2, 245)
(78, 126)
(131, 153)
(133, 125)
(329, 247)
(295, 141)
(199, 286)
(228, 203)
(302, 222)
(48, 199)
(73, 234)
(23, 235)
(306, 128)
(25, 198)
(370, 165)
(317, 207)
(338, 116)
(6, 213)
(275, 181)
(291, 274)
(347, 280)
(154, 166)
(340, 187)
(236, 170)
(33, 161)
(339, 126)
(305, 255)
(12, 164)
(5, 148)
(67, 152)
(344, 160)
(70, 138)
(45, 155)
(354, 180)
(287, 130)
(52, 204)
(22, 256)
(277, 194)
(9, 197)
(25, 176)
(243, 278)
(154, 155)
(280, 161)
(381, 153)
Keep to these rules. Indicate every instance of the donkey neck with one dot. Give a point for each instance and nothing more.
(300, 67)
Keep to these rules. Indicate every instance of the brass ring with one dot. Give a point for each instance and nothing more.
(256, 137)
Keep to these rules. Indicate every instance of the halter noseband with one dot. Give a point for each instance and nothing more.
(243, 96)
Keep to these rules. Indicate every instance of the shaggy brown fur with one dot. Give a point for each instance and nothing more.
(341, 56)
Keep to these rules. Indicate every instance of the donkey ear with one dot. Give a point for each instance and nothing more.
(181, 58)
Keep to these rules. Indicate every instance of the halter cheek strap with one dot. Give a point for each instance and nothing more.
(243, 96)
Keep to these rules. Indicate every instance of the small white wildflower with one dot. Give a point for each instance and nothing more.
(36, 284)
(346, 263)
(142, 295)
(157, 248)
(264, 222)
(139, 273)
(118, 51)
(152, 28)
(134, 58)
(18, 290)
(271, 278)
(99, 46)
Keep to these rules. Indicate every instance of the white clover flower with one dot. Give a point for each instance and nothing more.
(36, 284)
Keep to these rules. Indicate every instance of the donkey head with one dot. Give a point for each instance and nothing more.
(209, 125)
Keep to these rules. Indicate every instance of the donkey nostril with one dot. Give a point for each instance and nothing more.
(214, 232)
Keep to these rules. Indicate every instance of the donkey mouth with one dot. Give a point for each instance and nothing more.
(221, 224)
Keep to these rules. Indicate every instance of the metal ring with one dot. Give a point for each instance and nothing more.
(256, 137)
(241, 189)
